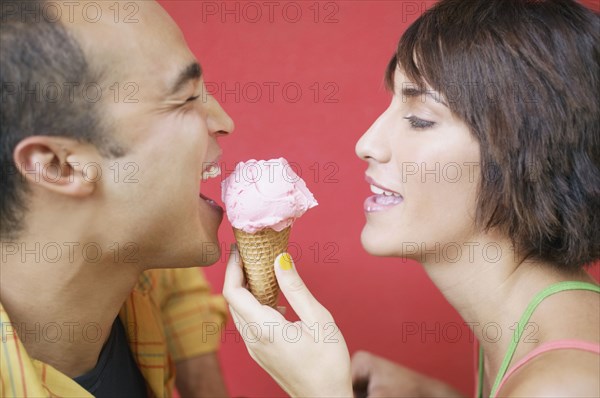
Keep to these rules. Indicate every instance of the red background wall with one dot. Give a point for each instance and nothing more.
(335, 53)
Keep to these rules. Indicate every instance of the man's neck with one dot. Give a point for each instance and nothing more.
(63, 306)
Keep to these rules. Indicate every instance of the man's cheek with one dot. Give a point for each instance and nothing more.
(193, 123)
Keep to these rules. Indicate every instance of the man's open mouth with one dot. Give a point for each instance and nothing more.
(211, 170)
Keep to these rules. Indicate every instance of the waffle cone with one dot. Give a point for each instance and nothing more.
(258, 252)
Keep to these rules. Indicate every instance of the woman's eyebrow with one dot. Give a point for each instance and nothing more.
(413, 92)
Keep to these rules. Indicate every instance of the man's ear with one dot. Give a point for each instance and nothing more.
(62, 165)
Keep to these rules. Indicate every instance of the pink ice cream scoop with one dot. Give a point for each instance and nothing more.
(265, 194)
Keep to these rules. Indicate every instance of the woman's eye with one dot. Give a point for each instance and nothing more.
(191, 99)
(419, 124)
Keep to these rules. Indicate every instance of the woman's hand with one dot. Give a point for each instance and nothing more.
(308, 358)
(374, 376)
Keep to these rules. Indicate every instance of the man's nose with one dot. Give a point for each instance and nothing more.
(218, 121)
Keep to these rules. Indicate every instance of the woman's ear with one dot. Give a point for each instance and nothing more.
(59, 164)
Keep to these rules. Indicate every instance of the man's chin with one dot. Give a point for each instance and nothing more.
(206, 255)
(194, 254)
(205, 252)
(210, 254)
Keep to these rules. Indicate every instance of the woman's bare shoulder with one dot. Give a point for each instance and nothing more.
(557, 373)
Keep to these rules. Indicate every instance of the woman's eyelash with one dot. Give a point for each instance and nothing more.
(417, 123)
(192, 98)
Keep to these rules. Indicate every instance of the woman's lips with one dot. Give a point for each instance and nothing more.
(377, 203)
(383, 199)
(374, 183)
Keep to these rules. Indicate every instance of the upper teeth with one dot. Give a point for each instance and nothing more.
(379, 191)
(211, 172)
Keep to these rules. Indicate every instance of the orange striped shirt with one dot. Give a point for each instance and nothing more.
(170, 315)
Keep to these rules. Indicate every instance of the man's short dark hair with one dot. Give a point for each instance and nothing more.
(524, 76)
(43, 71)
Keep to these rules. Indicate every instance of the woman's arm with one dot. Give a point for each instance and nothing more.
(373, 376)
(308, 358)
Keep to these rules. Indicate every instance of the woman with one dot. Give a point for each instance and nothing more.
(506, 94)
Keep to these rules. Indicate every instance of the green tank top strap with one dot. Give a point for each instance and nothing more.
(521, 326)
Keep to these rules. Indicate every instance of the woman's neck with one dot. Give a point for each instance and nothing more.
(491, 289)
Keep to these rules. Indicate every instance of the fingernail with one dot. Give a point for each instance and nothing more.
(285, 262)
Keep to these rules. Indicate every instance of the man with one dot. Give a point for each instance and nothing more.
(106, 136)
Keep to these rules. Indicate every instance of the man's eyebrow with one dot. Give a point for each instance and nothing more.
(412, 92)
(192, 72)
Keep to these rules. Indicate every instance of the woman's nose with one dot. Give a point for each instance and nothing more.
(374, 145)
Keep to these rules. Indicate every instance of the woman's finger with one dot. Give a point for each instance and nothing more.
(239, 298)
(362, 363)
(246, 330)
(234, 275)
(300, 298)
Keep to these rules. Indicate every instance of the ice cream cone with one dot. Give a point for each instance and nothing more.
(258, 251)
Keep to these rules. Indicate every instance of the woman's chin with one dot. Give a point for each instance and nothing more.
(375, 245)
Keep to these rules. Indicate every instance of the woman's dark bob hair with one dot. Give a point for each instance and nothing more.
(524, 76)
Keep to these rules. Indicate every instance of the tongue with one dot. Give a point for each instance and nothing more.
(387, 200)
